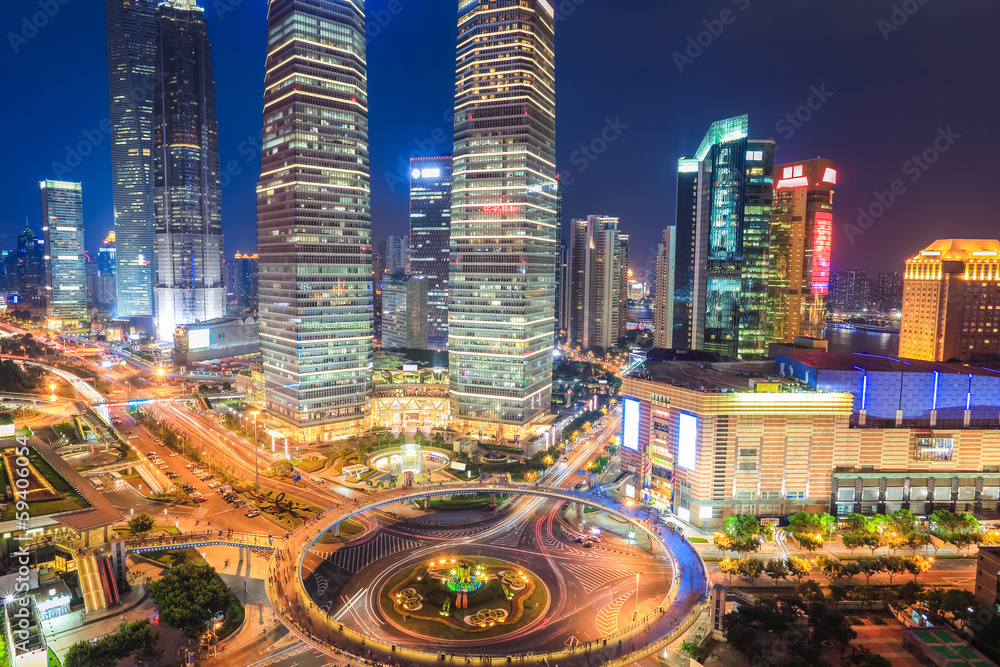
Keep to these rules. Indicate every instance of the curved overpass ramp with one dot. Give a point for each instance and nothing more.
(303, 617)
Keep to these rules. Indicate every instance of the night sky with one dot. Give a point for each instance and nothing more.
(889, 87)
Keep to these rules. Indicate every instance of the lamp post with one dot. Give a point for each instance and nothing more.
(256, 453)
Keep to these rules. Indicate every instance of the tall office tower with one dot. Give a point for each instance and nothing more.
(131, 31)
(600, 261)
(504, 231)
(890, 291)
(663, 303)
(246, 283)
(430, 225)
(801, 239)
(576, 272)
(187, 197)
(30, 268)
(65, 270)
(851, 290)
(397, 254)
(720, 256)
(564, 288)
(105, 286)
(314, 220)
(404, 311)
(949, 294)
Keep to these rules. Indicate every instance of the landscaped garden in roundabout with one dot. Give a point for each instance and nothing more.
(464, 597)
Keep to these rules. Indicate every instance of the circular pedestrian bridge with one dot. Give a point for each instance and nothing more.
(335, 638)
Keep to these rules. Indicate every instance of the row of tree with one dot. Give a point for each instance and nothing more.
(799, 568)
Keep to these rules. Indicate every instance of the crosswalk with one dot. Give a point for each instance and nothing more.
(607, 618)
(508, 539)
(445, 533)
(593, 578)
(356, 558)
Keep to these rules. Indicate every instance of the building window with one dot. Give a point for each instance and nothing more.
(748, 465)
(933, 449)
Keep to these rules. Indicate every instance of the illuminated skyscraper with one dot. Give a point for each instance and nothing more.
(187, 197)
(600, 263)
(663, 305)
(65, 271)
(801, 239)
(131, 34)
(949, 292)
(504, 230)
(723, 227)
(430, 225)
(314, 220)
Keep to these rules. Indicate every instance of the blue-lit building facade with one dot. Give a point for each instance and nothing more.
(430, 227)
(725, 193)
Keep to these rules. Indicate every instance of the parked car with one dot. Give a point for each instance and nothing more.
(252, 513)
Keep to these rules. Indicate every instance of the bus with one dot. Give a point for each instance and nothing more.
(117, 478)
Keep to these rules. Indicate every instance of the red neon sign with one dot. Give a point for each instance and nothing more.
(500, 208)
(822, 244)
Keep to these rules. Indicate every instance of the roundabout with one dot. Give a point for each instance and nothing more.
(386, 595)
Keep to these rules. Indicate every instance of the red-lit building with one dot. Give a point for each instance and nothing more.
(801, 239)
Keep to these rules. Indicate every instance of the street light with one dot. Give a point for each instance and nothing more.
(256, 450)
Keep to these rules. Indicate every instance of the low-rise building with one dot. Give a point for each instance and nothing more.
(988, 578)
(813, 433)
(225, 337)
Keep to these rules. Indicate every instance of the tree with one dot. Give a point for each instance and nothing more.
(902, 522)
(917, 565)
(957, 602)
(869, 567)
(830, 567)
(892, 566)
(810, 591)
(865, 594)
(853, 542)
(724, 542)
(850, 570)
(742, 526)
(917, 540)
(695, 650)
(799, 567)
(131, 638)
(282, 468)
(809, 542)
(751, 568)
(140, 524)
(895, 541)
(776, 568)
(964, 540)
(729, 566)
(858, 524)
(189, 596)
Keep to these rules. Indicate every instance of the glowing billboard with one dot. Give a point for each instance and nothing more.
(687, 440)
(198, 339)
(630, 424)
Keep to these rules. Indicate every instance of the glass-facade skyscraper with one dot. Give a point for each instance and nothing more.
(504, 230)
(800, 247)
(314, 220)
(430, 225)
(187, 196)
(131, 34)
(65, 270)
(722, 232)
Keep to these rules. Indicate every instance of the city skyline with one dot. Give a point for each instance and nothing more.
(635, 166)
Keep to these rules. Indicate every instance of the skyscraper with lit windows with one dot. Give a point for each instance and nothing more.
(187, 196)
(430, 225)
(504, 229)
(722, 232)
(314, 220)
(131, 35)
(65, 270)
(800, 249)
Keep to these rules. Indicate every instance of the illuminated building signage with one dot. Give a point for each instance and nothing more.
(687, 440)
(426, 173)
(500, 208)
(822, 250)
(630, 425)
(198, 339)
(830, 176)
